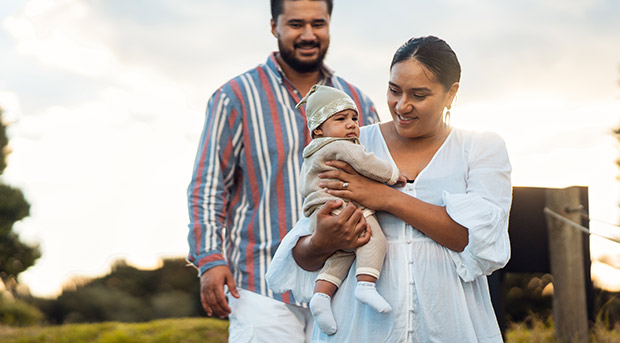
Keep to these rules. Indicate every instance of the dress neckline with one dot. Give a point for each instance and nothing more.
(421, 173)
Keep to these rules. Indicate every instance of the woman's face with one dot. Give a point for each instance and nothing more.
(417, 100)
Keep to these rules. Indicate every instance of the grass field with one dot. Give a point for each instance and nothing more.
(186, 330)
(207, 330)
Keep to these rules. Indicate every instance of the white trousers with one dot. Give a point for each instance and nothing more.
(258, 319)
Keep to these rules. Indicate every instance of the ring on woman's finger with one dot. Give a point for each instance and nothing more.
(345, 185)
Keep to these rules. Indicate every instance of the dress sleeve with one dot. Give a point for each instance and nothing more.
(208, 193)
(284, 274)
(484, 208)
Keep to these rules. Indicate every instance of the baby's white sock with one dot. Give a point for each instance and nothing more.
(366, 292)
(321, 309)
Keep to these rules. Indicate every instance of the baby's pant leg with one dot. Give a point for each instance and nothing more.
(371, 255)
(336, 267)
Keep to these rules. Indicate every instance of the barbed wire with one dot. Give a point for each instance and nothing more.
(580, 227)
(586, 215)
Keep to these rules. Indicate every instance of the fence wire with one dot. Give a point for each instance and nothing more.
(586, 216)
(580, 227)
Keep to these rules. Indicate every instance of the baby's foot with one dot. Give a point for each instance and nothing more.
(321, 309)
(366, 292)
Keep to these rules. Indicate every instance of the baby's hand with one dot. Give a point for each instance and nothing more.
(402, 180)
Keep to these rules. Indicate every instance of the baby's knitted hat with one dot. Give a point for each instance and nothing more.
(323, 102)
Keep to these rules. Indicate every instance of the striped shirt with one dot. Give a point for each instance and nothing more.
(243, 196)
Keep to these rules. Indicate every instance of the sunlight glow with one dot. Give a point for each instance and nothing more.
(606, 276)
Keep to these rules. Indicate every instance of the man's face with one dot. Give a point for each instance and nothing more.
(302, 31)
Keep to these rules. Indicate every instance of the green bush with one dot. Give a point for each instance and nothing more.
(128, 294)
(18, 313)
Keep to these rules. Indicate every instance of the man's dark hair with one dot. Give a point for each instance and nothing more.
(435, 54)
(277, 7)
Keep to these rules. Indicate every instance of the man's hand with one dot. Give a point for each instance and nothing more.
(212, 290)
(346, 231)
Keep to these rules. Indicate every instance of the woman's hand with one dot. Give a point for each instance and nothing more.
(355, 187)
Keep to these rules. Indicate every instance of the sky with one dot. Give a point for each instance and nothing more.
(105, 103)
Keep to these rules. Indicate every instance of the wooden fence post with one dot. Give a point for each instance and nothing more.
(566, 259)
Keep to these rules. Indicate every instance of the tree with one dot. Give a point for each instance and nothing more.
(15, 255)
(128, 294)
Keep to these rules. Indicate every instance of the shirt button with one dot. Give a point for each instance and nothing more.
(409, 242)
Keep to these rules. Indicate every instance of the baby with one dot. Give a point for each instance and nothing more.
(332, 119)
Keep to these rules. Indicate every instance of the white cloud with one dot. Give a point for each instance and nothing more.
(10, 104)
(35, 8)
(56, 34)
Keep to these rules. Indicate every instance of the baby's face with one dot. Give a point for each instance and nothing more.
(342, 124)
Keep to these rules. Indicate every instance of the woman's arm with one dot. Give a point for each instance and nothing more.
(430, 219)
(342, 232)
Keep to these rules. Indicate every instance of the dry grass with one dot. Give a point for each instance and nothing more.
(536, 330)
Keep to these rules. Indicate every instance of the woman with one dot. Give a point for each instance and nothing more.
(446, 229)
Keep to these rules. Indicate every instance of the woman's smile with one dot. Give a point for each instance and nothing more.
(406, 120)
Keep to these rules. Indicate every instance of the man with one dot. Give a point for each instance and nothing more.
(243, 196)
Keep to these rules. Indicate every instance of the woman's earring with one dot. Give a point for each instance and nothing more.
(446, 119)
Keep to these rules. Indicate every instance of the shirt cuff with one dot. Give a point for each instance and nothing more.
(207, 261)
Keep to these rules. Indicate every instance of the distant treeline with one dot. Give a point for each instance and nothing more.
(128, 294)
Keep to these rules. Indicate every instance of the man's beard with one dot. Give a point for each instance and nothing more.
(299, 66)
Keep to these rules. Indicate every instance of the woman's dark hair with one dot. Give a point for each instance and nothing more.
(277, 7)
(435, 54)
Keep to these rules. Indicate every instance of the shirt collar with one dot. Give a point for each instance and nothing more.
(272, 63)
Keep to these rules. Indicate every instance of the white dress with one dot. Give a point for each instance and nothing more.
(436, 294)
